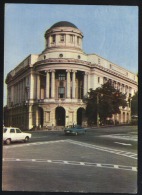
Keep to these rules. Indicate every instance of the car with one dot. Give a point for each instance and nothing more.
(13, 134)
(74, 129)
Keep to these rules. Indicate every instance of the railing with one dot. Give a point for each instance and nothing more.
(59, 100)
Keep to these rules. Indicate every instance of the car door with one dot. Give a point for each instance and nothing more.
(19, 134)
(12, 134)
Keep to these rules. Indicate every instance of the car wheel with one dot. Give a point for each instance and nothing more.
(26, 139)
(8, 141)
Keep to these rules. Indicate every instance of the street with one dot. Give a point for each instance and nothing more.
(103, 160)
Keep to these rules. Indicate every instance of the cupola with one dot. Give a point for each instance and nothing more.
(63, 35)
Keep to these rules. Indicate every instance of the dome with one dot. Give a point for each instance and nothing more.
(63, 24)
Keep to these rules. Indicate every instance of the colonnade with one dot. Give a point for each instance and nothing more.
(50, 83)
(121, 87)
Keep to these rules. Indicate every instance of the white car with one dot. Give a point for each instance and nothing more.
(12, 134)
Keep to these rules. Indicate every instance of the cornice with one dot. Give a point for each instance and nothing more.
(62, 60)
(113, 73)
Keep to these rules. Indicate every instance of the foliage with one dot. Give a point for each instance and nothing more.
(134, 104)
(106, 101)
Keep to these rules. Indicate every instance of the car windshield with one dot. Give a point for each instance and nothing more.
(4, 130)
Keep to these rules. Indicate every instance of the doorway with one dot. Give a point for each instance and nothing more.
(60, 116)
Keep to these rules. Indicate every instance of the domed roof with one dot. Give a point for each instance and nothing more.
(63, 24)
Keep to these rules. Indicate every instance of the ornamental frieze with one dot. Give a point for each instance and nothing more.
(55, 60)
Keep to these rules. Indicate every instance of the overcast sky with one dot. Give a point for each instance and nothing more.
(109, 31)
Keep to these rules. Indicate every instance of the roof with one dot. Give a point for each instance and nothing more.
(63, 24)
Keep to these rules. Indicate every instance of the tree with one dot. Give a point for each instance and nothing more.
(105, 101)
(134, 104)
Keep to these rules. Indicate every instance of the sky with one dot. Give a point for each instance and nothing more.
(109, 31)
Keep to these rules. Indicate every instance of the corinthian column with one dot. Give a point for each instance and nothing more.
(52, 83)
(73, 83)
(68, 83)
(85, 84)
(88, 84)
(47, 84)
(38, 86)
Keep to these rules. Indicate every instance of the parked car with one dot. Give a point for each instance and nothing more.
(74, 129)
(12, 134)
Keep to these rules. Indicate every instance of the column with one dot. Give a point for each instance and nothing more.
(47, 84)
(53, 84)
(12, 93)
(18, 93)
(88, 82)
(68, 83)
(85, 84)
(30, 119)
(38, 86)
(73, 83)
(31, 87)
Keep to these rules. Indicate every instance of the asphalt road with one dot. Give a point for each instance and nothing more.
(103, 160)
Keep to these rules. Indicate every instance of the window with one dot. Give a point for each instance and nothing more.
(61, 76)
(98, 79)
(71, 38)
(60, 55)
(78, 40)
(18, 131)
(62, 38)
(99, 60)
(53, 38)
(61, 92)
(12, 130)
(4, 130)
(79, 57)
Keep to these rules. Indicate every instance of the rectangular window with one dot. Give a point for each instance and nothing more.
(99, 60)
(12, 130)
(71, 38)
(62, 38)
(78, 40)
(98, 79)
(53, 38)
(61, 76)
(61, 92)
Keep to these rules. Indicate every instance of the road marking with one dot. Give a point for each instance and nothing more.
(92, 146)
(99, 165)
(124, 144)
(30, 144)
(105, 149)
(132, 137)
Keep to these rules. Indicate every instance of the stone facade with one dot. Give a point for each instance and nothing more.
(47, 90)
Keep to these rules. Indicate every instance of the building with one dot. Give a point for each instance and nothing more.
(47, 89)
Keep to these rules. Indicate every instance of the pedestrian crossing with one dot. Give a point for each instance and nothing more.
(65, 162)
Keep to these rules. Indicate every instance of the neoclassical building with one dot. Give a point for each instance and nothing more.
(47, 89)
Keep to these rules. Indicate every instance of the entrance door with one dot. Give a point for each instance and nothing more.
(40, 111)
(80, 115)
(60, 116)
